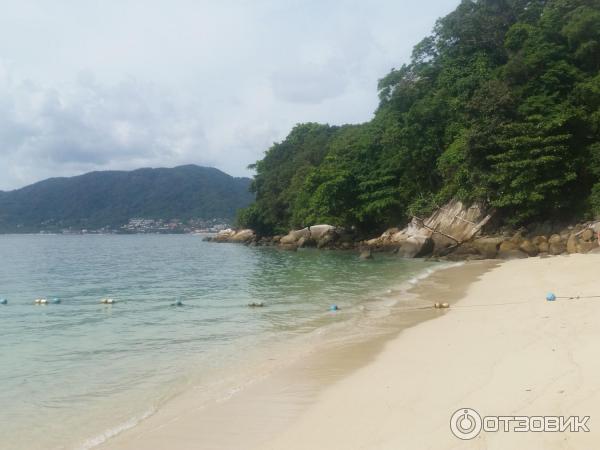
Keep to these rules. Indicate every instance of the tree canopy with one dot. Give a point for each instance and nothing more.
(500, 104)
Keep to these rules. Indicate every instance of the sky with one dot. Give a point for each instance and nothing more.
(97, 85)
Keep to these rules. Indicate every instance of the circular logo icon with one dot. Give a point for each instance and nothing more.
(465, 424)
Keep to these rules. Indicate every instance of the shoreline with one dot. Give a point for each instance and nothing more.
(285, 392)
(504, 350)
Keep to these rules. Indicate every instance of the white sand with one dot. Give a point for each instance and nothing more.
(501, 350)
(530, 358)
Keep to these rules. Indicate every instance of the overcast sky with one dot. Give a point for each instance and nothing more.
(95, 85)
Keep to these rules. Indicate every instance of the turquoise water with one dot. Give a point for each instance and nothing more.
(75, 373)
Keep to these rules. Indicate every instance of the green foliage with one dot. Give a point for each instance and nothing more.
(500, 104)
(111, 198)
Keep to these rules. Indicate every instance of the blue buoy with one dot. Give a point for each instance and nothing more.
(3, 301)
(55, 301)
(550, 297)
(334, 308)
(177, 303)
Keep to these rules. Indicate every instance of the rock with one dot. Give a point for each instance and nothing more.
(555, 239)
(586, 247)
(555, 245)
(537, 240)
(306, 242)
(390, 232)
(543, 247)
(318, 231)
(517, 239)
(366, 254)
(464, 250)
(224, 235)
(454, 222)
(508, 246)
(488, 246)
(416, 247)
(310, 236)
(528, 247)
(327, 239)
(587, 235)
(243, 236)
(294, 236)
(572, 244)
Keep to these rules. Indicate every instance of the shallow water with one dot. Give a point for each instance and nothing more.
(75, 373)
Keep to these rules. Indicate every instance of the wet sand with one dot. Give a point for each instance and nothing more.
(283, 393)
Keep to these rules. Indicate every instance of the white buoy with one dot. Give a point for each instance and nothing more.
(41, 301)
(107, 301)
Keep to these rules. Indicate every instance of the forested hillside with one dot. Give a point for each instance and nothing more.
(501, 103)
(111, 198)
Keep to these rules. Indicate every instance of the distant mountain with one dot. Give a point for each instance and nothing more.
(111, 198)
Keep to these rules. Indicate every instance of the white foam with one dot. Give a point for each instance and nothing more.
(112, 432)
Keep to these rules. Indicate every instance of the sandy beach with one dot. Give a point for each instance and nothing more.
(501, 349)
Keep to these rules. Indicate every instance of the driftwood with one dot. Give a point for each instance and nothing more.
(476, 228)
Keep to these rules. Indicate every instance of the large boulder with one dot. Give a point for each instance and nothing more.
(243, 236)
(416, 247)
(587, 235)
(488, 246)
(318, 231)
(556, 246)
(328, 239)
(572, 244)
(439, 234)
(294, 236)
(510, 250)
(224, 235)
(586, 247)
(528, 247)
(308, 236)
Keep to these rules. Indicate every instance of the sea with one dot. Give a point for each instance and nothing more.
(77, 373)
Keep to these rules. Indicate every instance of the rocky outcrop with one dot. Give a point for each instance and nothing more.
(441, 233)
(453, 232)
(320, 236)
(237, 236)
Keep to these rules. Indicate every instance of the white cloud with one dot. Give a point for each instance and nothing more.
(91, 86)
